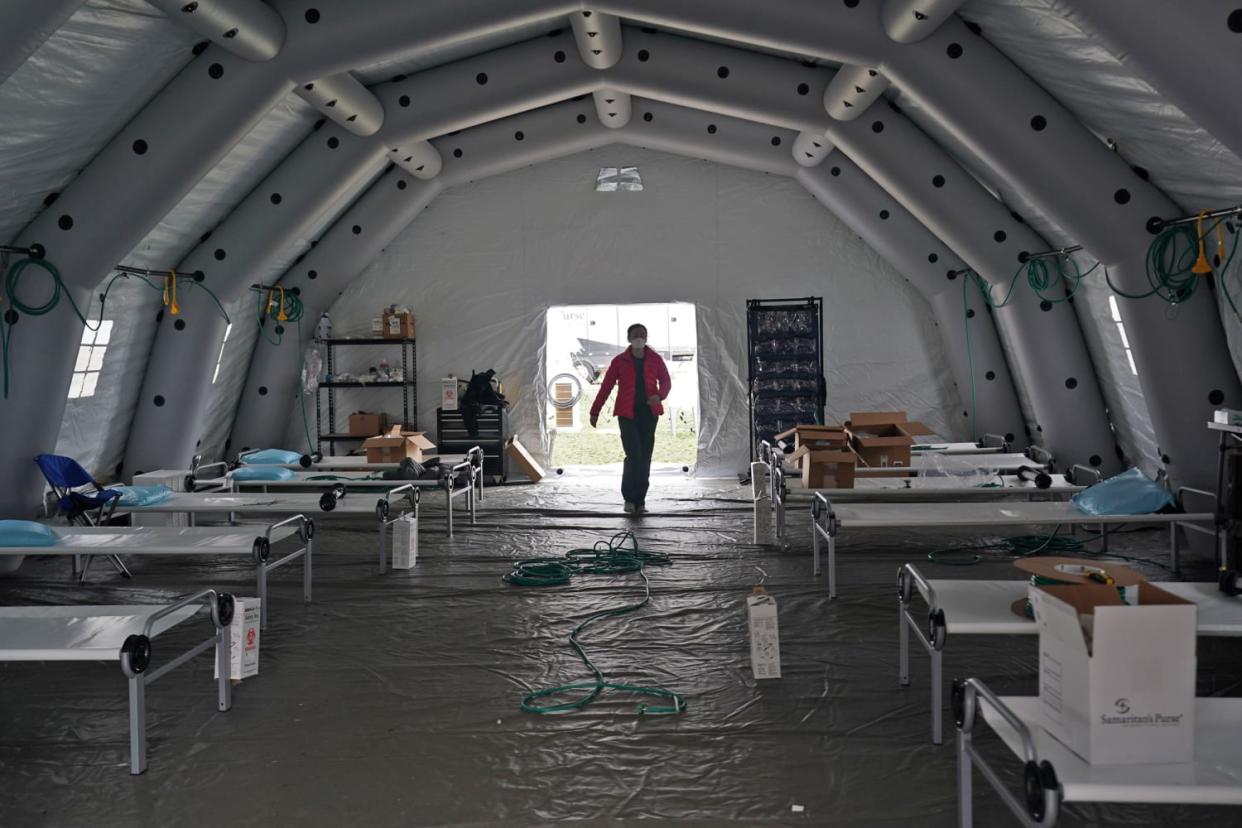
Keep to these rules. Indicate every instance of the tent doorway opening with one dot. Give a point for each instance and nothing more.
(582, 340)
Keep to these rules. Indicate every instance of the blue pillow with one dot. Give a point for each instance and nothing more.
(278, 457)
(142, 495)
(1128, 493)
(262, 473)
(26, 533)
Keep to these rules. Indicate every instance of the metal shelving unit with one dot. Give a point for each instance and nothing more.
(409, 388)
(785, 362)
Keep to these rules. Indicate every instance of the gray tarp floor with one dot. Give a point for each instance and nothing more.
(393, 700)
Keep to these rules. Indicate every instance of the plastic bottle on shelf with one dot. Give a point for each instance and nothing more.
(323, 330)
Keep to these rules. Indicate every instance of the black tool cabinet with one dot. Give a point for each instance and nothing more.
(453, 438)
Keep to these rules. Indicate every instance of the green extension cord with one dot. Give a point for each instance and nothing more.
(619, 555)
(291, 305)
(12, 278)
(1019, 546)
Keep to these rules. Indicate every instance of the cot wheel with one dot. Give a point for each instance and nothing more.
(305, 461)
(188, 483)
(224, 609)
(1231, 582)
(381, 509)
(957, 700)
(308, 530)
(936, 632)
(262, 550)
(136, 654)
(1037, 779)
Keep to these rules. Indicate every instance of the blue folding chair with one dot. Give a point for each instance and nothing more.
(80, 499)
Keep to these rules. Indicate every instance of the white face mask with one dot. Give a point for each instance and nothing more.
(638, 343)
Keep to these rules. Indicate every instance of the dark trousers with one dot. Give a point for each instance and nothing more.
(638, 439)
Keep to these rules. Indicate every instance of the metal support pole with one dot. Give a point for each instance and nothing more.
(137, 724)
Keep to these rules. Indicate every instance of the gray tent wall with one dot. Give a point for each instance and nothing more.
(25, 25)
(1176, 47)
(983, 99)
(566, 129)
(979, 365)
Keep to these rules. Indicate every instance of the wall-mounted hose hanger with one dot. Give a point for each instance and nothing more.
(343, 99)
(277, 304)
(598, 37)
(853, 89)
(250, 29)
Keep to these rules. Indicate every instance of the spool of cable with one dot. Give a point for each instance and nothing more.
(1073, 571)
(1042, 480)
(329, 499)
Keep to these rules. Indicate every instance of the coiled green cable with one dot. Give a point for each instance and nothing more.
(617, 556)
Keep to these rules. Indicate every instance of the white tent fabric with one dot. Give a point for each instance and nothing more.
(98, 69)
(482, 264)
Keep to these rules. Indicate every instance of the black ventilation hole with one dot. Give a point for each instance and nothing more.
(481, 79)
(140, 147)
(970, 313)
(312, 274)
(644, 55)
(933, 258)
(179, 324)
(1216, 397)
(989, 376)
(276, 198)
(159, 401)
(1234, 21)
(938, 181)
(215, 71)
(850, 4)
(357, 229)
(280, 330)
(954, 51)
(559, 57)
(1095, 460)
(1071, 383)
(65, 222)
(952, 274)
(877, 126)
(647, 116)
(582, 119)
(220, 254)
(722, 72)
(1045, 306)
(50, 199)
(200, 47)
(308, 87)
(999, 236)
(884, 215)
(1122, 196)
(1164, 458)
(803, 89)
(312, 16)
(776, 140)
(1009, 436)
(1039, 123)
(404, 100)
(835, 171)
(1154, 225)
(711, 129)
(457, 153)
(401, 185)
(334, 142)
(262, 390)
(519, 136)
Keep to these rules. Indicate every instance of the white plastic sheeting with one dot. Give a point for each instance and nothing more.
(482, 264)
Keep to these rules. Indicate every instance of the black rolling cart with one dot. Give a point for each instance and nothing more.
(452, 437)
(785, 361)
(408, 386)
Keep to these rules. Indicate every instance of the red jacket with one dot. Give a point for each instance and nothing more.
(621, 373)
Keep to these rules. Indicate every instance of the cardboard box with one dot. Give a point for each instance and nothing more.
(367, 423)
(827, 437)
(397, 444)
(879, 439)
(244, 638)
(404, 542)
(1117, 681)
(518, 454)
(765, 636)
(398, 325)
(825, 469)
(449, 388)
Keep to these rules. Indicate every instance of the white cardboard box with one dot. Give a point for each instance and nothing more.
(1117, 681)
(448, 393)
(765, 639)
(244, 632)
(404, 542)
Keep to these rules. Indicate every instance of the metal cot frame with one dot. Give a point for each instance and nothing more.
(134, 655)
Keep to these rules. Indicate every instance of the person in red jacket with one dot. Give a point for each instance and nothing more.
(642, 385)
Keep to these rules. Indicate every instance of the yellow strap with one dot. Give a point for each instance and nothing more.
(1202, 266)
(282, 316)
(173, 307)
